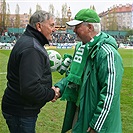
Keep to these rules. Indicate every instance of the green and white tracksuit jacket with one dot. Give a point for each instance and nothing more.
(100, 91)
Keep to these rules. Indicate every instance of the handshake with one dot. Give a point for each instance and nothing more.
(57, 93)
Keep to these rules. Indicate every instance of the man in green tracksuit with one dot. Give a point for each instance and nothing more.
(92, 85)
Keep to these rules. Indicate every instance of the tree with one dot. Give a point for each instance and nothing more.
(104, 21)
(64, 14)
(8, 22)
(30, 12)
(109, 27)
(51, 9)
(112, 19)
(17, 20)
(2, 16)
(38, 7)
(129, 33)
(92, 7)
(58, 22)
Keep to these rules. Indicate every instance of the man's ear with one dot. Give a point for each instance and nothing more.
(91, 28)
(38, 26)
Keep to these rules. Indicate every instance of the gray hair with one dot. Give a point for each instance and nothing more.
(39, 16)
(97, 26)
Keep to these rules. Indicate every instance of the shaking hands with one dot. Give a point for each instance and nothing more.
(57, 93)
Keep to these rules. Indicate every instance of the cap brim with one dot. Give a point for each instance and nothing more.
(73, 22)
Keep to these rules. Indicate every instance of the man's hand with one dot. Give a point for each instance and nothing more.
(57, 93)
(90, 130)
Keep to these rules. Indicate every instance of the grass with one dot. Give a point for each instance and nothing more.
(51, 117)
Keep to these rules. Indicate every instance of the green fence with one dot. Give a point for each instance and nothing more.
(16, 30)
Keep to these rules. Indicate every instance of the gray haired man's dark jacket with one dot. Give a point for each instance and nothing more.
(29, 76)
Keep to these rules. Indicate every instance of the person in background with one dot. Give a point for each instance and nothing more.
(29, 79)
(93, 82)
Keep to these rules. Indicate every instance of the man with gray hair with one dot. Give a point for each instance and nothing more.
(92, 85)
(29, 79)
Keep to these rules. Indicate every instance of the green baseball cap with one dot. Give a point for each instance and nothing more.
(84, 15)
